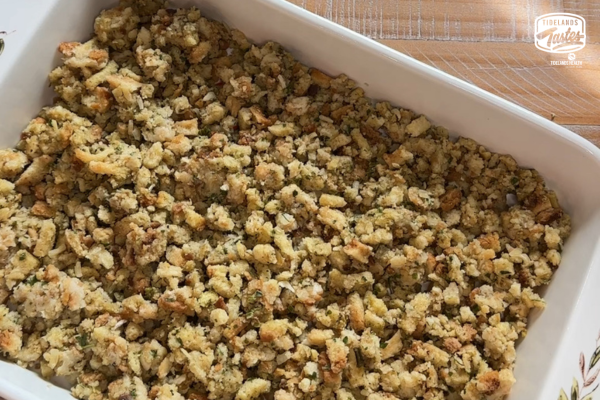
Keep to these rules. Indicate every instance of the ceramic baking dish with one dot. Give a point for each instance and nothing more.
(547, 360)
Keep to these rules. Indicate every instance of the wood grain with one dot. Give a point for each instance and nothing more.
(518, 74)
(589, 132)
(490, 44)
(463, 20)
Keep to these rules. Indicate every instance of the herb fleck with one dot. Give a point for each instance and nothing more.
(32, 280)
(83, 341)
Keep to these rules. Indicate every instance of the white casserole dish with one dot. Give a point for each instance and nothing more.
(547, 359)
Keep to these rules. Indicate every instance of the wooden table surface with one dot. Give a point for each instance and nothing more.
(490, 44)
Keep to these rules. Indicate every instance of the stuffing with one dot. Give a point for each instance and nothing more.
(200, 217)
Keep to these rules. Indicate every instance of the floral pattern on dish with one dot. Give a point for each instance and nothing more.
(2, 44)
(588, 377)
